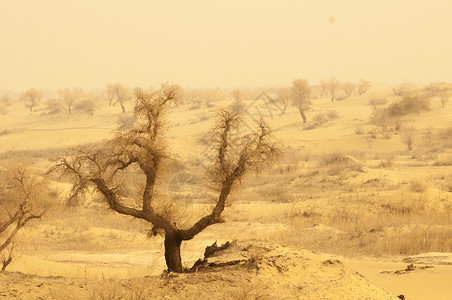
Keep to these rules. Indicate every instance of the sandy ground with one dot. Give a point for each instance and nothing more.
(82, 254)
(258, 270)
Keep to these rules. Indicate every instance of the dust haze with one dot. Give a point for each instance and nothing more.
(52, 44)
(227, 149)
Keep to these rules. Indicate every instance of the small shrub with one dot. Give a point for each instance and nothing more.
(320, 118)
(55, 106)
(337, 162)
(238, 107)
(202, 117)
(401, 90)
(332, 114)
(418, 186)
(373, 133)
(381, 118)
(6, 100)
(387, 162)
(408, 105)
(333, 158)
(3, 109)
(445, 161)
(195, 105)
(446, 133)
(358, 130)
(387, 135)
(408, 136)
(86, 106)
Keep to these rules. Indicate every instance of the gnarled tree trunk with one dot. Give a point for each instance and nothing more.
(173, 260)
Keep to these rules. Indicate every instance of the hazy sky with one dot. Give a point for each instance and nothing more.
(208, 43)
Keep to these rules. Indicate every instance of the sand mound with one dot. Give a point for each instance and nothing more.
(242, 271)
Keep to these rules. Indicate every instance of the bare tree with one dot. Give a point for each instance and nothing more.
(110, 93)
(238, 105)
(6, 99)
(381, 118)
(348, 88)
(23, 198)
(401, 90)
(323, 87)
(3, 109)
(443, 96)
(332, 85)
(237, 95)
(122, 94)
(284, 97)
(70, 96)
(408, 136)
(137, 91)
(377, 101)
(363, 86)
(31, 98)
(300, 93)
(142, 149)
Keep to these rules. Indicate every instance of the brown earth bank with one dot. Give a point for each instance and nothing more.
(242, 271)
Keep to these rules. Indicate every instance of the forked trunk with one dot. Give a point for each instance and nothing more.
(122, 107)
(172, 252)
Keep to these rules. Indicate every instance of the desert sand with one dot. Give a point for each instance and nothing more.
(341, 215)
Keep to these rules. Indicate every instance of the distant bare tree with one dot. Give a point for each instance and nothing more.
(401, 90)
(237, 95)
(6, 99)
(348, 88)
(238, 105)
(408, 136)
(31, 98)
(377, 101)
(381, 118)
(122, 94)
(137, 91)
(110, 93)
(333, 85)
(23, 198)
(363, 86)
(142, 151)
(284, 97)
(204, 95)
(323, 87)
(443, 96)
(3, 109)
(300, 93)
(69, 96)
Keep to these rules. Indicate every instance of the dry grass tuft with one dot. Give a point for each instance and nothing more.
(418, 186)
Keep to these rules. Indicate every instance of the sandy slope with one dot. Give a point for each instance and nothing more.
(259, 270)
